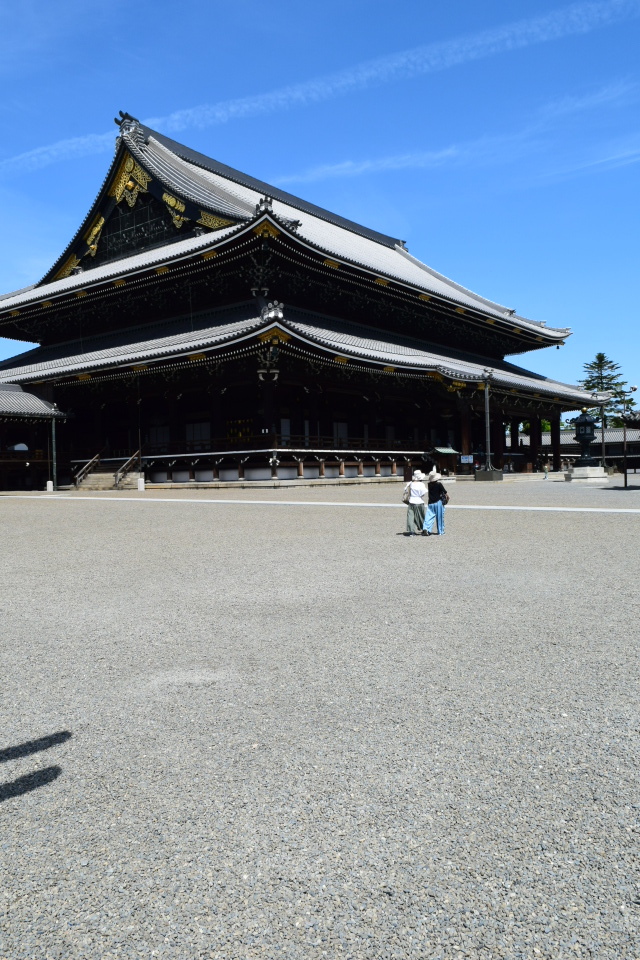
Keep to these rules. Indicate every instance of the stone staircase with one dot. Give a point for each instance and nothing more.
(104, 479)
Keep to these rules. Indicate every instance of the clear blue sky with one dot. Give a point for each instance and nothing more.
(500, 140)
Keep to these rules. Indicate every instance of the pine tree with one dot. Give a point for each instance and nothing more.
(602, 376)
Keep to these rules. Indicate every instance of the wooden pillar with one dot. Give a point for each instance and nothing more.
(377, 468)
(216, 471)
(341, 469)
(394, 468)
(192, 472)
(534, 440)
(555, 442)
(360, 468)
(240, 469)
(301, 468)
(321, 469)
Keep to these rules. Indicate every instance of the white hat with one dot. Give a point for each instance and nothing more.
(434, 475)
(418, 475)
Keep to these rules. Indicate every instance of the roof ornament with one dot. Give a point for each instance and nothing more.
(272, 311)
(127, 123)
(264, 205)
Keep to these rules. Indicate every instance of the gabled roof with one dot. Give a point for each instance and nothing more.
(200, 190)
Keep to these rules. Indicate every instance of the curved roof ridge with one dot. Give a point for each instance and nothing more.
(265, 189)
(170, 170)
(509, 314)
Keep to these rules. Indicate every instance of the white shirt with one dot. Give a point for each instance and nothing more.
(417, 491)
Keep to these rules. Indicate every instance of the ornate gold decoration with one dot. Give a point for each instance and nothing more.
(460, 310)
(489, 320)
(139, 366)
(382, 281)
(540, 339)
(68, 267)
(341, 359)
(389, 369)
(266, 229)
(516, 329)
(15, 313)
(458, 384)
(331, 263)
(176, 208)
(274, 334)
(84, 376)
(81, 293)
(130, 180)
(213, 222)
(120, 282)
(93, 235)
(173, 202)
(208, 254)
(424, 296)
(162, 269)
(47, 303)
(197, 356)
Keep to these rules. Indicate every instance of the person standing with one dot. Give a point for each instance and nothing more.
(437, 498)
(414, 497)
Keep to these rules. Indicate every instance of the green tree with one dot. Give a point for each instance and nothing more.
(603, 376)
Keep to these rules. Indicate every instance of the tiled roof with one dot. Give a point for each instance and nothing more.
(335, 337)
(611, 435)
(115, 268)
(333, 234)
(392, 262)
(140, 134)
(370, 344)
(15, 402)
(229, 192)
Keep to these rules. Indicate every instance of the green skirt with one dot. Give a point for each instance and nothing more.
(415, 517)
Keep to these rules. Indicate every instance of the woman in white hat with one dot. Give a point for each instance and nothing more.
(438, 498)
(414, 498)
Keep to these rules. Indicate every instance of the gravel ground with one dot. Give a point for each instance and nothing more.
(234, 731)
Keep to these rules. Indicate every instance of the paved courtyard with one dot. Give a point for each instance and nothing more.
(283, 730)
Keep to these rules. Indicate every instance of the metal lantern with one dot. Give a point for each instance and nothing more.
(585, 426)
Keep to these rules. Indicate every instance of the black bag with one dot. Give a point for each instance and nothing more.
(444, 497)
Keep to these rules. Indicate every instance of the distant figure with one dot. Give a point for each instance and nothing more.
(414, 498)
(438, 498)
(546, 469)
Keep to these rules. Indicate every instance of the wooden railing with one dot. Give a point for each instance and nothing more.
(84, 471)
(126, 467)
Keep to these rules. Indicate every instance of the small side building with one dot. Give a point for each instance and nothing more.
(26, 438)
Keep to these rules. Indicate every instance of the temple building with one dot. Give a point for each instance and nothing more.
(203, 325)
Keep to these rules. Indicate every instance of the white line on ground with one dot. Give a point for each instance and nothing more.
(310, 503)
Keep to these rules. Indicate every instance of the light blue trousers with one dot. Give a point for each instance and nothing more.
(435, 514)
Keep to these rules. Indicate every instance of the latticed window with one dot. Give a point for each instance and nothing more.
(132, 230)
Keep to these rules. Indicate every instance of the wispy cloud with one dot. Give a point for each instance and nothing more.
(577, 18)
(355, 168)
(531, 139)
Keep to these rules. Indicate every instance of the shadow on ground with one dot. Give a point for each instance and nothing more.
(40, 778)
